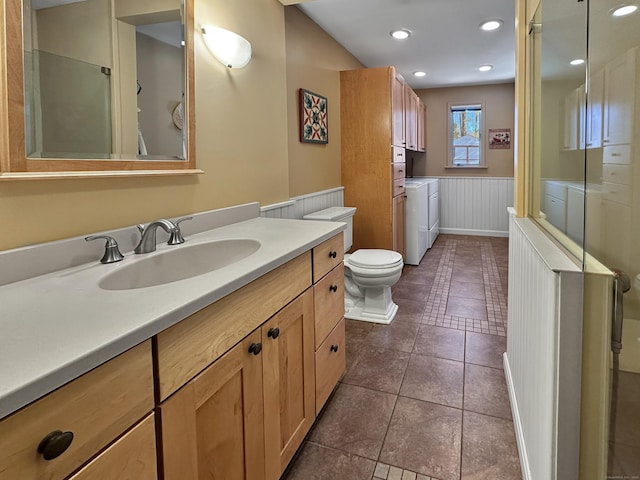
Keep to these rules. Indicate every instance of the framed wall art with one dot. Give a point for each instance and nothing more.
(499, 138)
(314, 120)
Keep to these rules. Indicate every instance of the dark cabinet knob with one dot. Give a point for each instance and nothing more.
(333, 288)
(55, 444)
(333, 254)
(255, 348)
(334, 348)
(273, 333)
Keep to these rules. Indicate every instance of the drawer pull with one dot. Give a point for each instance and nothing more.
(333, 288)
(255, 348)
(334, 348)
(55, 444)
(616, 155)
(333, 254)
(273, 333)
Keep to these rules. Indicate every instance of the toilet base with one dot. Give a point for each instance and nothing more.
(376, 306)
(358, 313)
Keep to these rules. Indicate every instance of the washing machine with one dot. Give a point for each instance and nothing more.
(417, 220)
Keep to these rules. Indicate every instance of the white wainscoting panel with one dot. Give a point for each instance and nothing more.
(475, 205)
(542, 362)
(297, 207)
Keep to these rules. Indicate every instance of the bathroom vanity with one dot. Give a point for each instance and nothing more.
(218, 375)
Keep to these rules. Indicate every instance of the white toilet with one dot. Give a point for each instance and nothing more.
(369, 274)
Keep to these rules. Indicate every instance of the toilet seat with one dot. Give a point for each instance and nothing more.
(374, 258)
(374, 263)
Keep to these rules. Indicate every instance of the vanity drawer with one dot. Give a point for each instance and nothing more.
(398, 154)
(327, 255)
(398, 187)
(132, 457)
(96, 407)
(329, 302)
(399, 170)
(620, 154)
(188, 347)
(330, 364)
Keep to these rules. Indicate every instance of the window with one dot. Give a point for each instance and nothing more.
(465, 137)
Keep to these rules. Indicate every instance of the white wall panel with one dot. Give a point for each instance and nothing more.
(544, 330)
(475, 205)
(297, 207)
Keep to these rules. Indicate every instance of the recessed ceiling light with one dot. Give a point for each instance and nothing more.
(577, 61)
(420, 74)
(624, 10)
(491, 25)
(485, 68)
(401, 34)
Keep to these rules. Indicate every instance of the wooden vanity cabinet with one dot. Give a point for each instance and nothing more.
(244, 416)
(97, 408)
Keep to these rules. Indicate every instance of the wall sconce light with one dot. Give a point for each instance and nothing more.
(229, 48)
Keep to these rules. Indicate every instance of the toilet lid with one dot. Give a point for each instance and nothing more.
(375, 258)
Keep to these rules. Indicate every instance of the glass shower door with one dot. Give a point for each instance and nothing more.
(612, 233)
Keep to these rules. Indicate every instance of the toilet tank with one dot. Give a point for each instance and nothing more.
(337, 214)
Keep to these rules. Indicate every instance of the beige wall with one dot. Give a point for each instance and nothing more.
(498, 103)
(314, 62)
(242, 143)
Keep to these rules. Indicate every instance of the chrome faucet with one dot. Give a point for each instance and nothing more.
(148, 235)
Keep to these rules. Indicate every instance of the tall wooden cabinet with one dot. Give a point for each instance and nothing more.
(372, 160)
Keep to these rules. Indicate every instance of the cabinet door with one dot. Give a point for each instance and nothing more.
(619, 99)
(422, 126)
(289, 381)
(399, 223)
(571, 113)
(594, 110)
(397, 111)
(213, 427)
(410, 126)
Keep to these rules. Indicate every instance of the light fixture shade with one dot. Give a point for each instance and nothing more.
(229, 48)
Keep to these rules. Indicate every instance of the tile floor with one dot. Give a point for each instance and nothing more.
(425, 397)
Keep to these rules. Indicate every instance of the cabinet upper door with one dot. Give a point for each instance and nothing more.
(422, 126)
(397, 111)
(595, 98)
(213, 426)
(410, 118)
(571, 118)
(619, 99)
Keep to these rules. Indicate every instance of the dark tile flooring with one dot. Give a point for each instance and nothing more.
(425, 397)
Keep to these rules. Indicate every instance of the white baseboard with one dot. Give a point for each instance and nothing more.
(517, 424)
(480, 233)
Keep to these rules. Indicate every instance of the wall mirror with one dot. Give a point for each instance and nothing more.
(98, 86)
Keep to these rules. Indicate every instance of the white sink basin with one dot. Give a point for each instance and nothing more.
(185, 261)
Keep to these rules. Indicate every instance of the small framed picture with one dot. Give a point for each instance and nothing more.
(500, 138)
(314, 122)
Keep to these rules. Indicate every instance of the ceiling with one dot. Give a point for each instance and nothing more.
(446, 41)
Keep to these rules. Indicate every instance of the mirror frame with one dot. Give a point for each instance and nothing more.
(14, 163)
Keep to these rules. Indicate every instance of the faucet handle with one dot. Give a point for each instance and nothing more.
(176, 234)
(111, 251)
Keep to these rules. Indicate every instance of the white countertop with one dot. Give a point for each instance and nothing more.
(55, 327)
